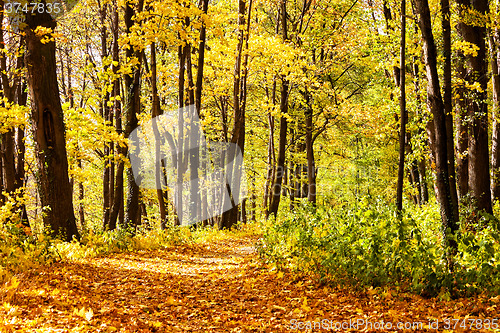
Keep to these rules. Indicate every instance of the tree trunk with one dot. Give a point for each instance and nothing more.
(48, 130)
(311, 165)
(479, 164)
(132, 109)
(462, 132)
(494, 39)
(230, 217)
(12, 145)
(447, 101)
(196, 213)
(280, 167)
(271, 156)
(81, 197)
(106, 114)
(116, 181)
(159, 172)
(7, 151)
(180, 139)
(435, 104)
(422, 161)
(402, 111)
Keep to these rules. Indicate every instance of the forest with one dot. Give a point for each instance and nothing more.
(249, 165)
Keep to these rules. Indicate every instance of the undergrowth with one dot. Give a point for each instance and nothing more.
(21, 250)
(368, 245)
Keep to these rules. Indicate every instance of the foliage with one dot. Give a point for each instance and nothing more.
(343, 59)
(11, 116)
(369, 245)
(21, 250)
(217, 286)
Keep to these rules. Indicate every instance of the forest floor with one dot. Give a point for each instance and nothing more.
(218, 286)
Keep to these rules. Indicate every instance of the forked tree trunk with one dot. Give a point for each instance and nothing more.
(435, 105)
(196, 207)
(180, 139)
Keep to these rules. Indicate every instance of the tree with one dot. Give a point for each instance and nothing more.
(284, 93)
(494, 40)
(477, 104)
(48, 127)
(402, 110)
(132, 109)
(160, 171)
(12, 142)
(439, 136)
(311, 165)
(447, 102)
(115, 192)
(230, 217)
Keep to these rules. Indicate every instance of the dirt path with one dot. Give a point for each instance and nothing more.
(217, 287)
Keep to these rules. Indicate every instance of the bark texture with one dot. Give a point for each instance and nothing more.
(439, 141)
(48, 130)
(477, 107)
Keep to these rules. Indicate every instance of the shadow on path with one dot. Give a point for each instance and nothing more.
(214, 287)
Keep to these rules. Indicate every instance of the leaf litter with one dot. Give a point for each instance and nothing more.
(219, 286)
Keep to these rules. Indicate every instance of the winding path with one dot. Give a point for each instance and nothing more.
(213, 287)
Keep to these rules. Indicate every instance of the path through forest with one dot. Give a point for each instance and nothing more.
(213, 287)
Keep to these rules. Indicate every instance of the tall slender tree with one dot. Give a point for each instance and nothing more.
(438, 133)
(402, 110)
(494, 40)
(284, 93)
(116, 180)
(230, 217)
(447, 102)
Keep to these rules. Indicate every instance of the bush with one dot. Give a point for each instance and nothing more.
(20, 250)
(369, 245)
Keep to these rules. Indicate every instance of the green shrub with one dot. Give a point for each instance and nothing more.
(369, 245)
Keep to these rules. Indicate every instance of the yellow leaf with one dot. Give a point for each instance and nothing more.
(86, 314)
(14, 283)
(89, 314)
(279, 307)
(172, 301)
(304, 306)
